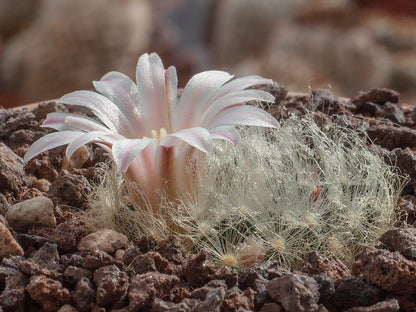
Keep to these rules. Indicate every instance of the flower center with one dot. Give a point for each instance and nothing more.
(160, 136)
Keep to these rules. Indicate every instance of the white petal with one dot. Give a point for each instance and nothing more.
(150, 77)
(50, 141)
(82, 140)
(123, 92)
(67, 121)
(232, 99)
(171, 80)
(197, 137)
(241, 84)
(196, 96)
(228, 133)
(102, 107)
(244, 115)
(124, 151)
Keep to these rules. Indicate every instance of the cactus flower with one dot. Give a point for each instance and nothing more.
(157, 139)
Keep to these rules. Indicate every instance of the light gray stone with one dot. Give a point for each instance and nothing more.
(106, 240)
(35, 212)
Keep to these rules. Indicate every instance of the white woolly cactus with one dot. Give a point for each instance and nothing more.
(281, 193)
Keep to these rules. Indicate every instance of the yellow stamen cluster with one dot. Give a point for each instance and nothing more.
(160, 136)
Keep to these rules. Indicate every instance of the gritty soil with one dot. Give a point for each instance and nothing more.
(51, 262)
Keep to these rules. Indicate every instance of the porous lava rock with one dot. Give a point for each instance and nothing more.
(295, 292)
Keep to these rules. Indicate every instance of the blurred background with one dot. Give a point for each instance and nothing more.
(51, 47)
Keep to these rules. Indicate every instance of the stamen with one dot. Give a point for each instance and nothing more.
(160, 136)
(154, 135)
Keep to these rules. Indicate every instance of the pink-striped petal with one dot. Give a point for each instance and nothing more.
(50, 141)
(244, 115)
(150, 77)
(228, 133)
(232, 99)
(196, 95)
(68, 121)
(82, 140)
(197, 137)
(123, 92)
(124, 151)
(102, 107)
(241, 84)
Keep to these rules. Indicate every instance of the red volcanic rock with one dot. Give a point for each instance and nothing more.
(145, 287)
(294, 292)
(314, 263)
(48, 293)
(388, 270)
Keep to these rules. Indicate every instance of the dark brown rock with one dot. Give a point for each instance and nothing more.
(212, 296)
(42, 185)
(47, 257)
(314, 263)
(45, 108)
(324, 101)
(141, 264)
(70, 189)
(4, 204)
(73, 274)
(20, 140)
(95, 259)
(33, 241)
(377, 96)
(391, 112)
(12, 120)
(29, 267)
(145, 287)
(5, 272)
(388, 270)
(83, 295)
(294, 292)
(12, 174)
(401, 240)
(272, 307)
(236, 299)
(172, 249)
(407, 208)
(47, 292)
(198, 270)
(25, 193)
(326, 288)
(129, 255)
(247, 277)
(75, 259)
(147, 243)
(162, 265)
(354, 292)
(67, 242)
(385, 306)
(165, 306)
(201, 292)
(391, 137)
(13, 296)
(42, 166)
(227, 274)
(406, 303)
(112, 285)
(12, 262)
